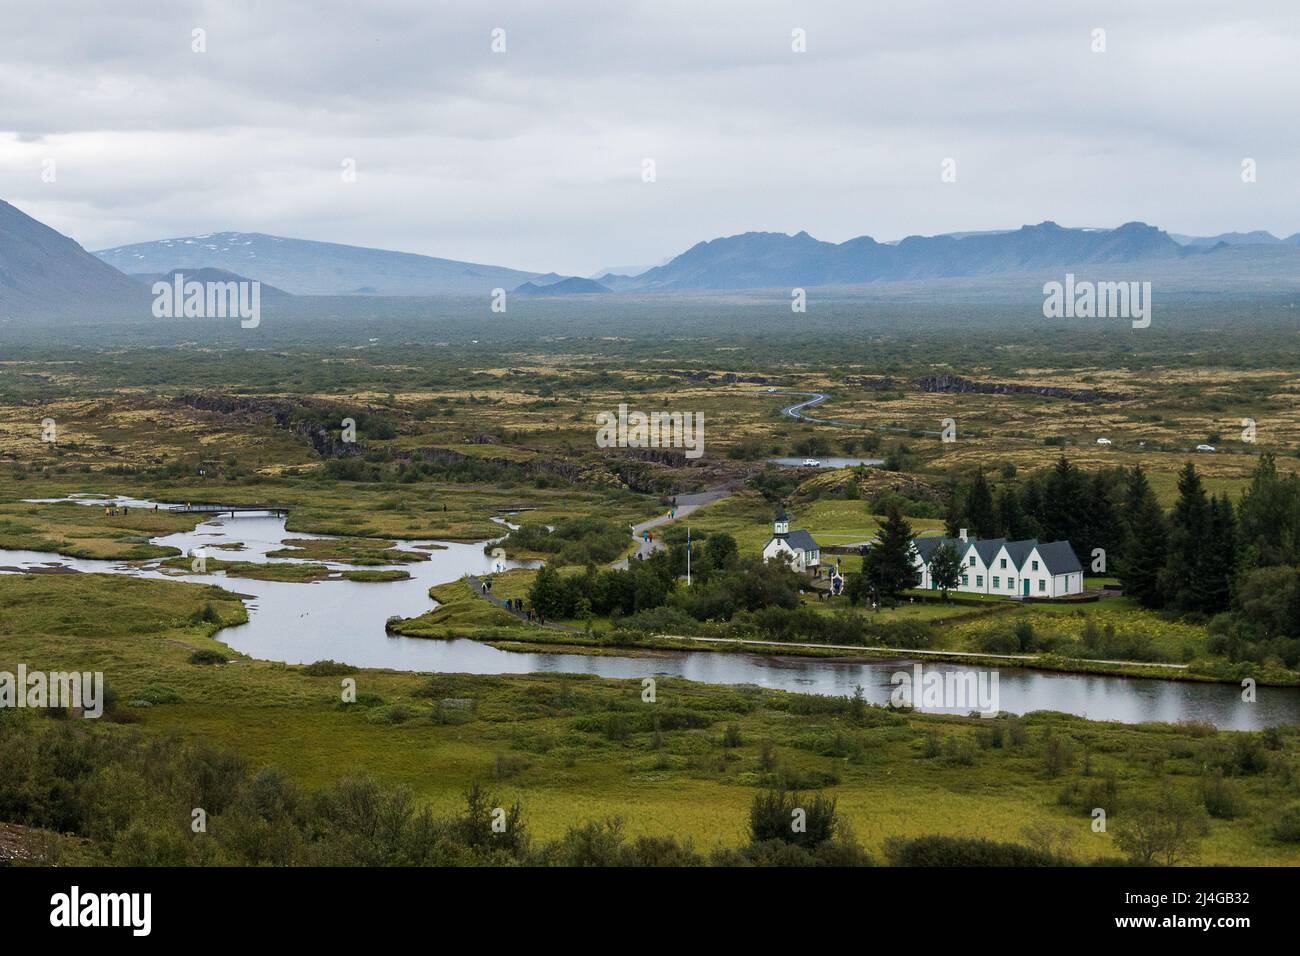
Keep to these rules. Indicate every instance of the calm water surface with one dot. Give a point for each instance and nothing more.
(344, 621)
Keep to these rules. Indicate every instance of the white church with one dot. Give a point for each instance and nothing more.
(1020, 569)
(796, 548)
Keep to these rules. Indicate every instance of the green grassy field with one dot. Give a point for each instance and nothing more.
(572, 748)
(513, 431)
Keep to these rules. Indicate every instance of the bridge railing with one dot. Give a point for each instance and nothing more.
(206, 506)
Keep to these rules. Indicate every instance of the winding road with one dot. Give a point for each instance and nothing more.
(685, 505)
(813, 399)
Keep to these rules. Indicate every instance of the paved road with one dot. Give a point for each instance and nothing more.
(685, 505)
(813, 399)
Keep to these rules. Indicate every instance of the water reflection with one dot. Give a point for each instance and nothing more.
(344, 621)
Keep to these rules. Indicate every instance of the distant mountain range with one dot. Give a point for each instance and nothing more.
(205, 276)
(1257, 238)
(305, 267)
(47, 274)
(773, 259)
(574, 285)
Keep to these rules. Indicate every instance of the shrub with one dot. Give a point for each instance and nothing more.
(1017, 732)
(392, 714)
(328, 669)
(1087, 795)
(1286, 829)
(963, 851)
(909, 634)
(207, 657)
(1058, 755)
(959, 751)
(205, 615)
(508, 765)
(159, 694)
(784, 815)
(1221, 797)
(660, 620)
(999, 642)
(1025, 637)
(1164, 829)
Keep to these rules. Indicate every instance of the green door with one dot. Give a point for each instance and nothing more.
(1026, 580)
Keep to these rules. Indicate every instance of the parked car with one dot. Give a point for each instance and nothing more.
(811, 463)
(1206, 448)
(1103, 441)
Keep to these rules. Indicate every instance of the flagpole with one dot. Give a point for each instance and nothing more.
(688, 555)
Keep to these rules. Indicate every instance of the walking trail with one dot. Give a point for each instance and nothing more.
(685, 505)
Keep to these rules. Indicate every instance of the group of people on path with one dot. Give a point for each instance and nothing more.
(514, 605)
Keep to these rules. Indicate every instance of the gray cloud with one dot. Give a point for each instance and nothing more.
(532, 158)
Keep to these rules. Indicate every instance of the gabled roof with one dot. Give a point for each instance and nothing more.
(926, 547)
(801, 540)
(1059, 557)
(988, 548)
(1020, 551)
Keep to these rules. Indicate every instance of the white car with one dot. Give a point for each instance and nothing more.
(1206, 448)
(1103, 441)
(811, 463)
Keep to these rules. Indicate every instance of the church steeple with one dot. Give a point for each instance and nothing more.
(781, 524)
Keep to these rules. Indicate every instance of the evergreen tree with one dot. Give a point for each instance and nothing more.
(1219, 558)
(1013, 523)
(955, 516)
(1181, 580)
(1065, 504)
(1104, 524)
(888, 565)
(1268, 517)
(1142, 557)
(1032, 505)
(981, 518)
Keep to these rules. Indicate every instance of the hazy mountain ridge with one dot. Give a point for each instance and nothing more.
(1259, 237)
(308, 267)
(43, 271)
(574, 285)
(753, 260)
(767, 259)
(204, 275)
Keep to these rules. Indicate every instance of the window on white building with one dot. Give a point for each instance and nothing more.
(1042, 585)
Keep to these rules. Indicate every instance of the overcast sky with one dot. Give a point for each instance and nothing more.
(533, 158)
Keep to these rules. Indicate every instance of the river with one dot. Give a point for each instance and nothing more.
(298, 623)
